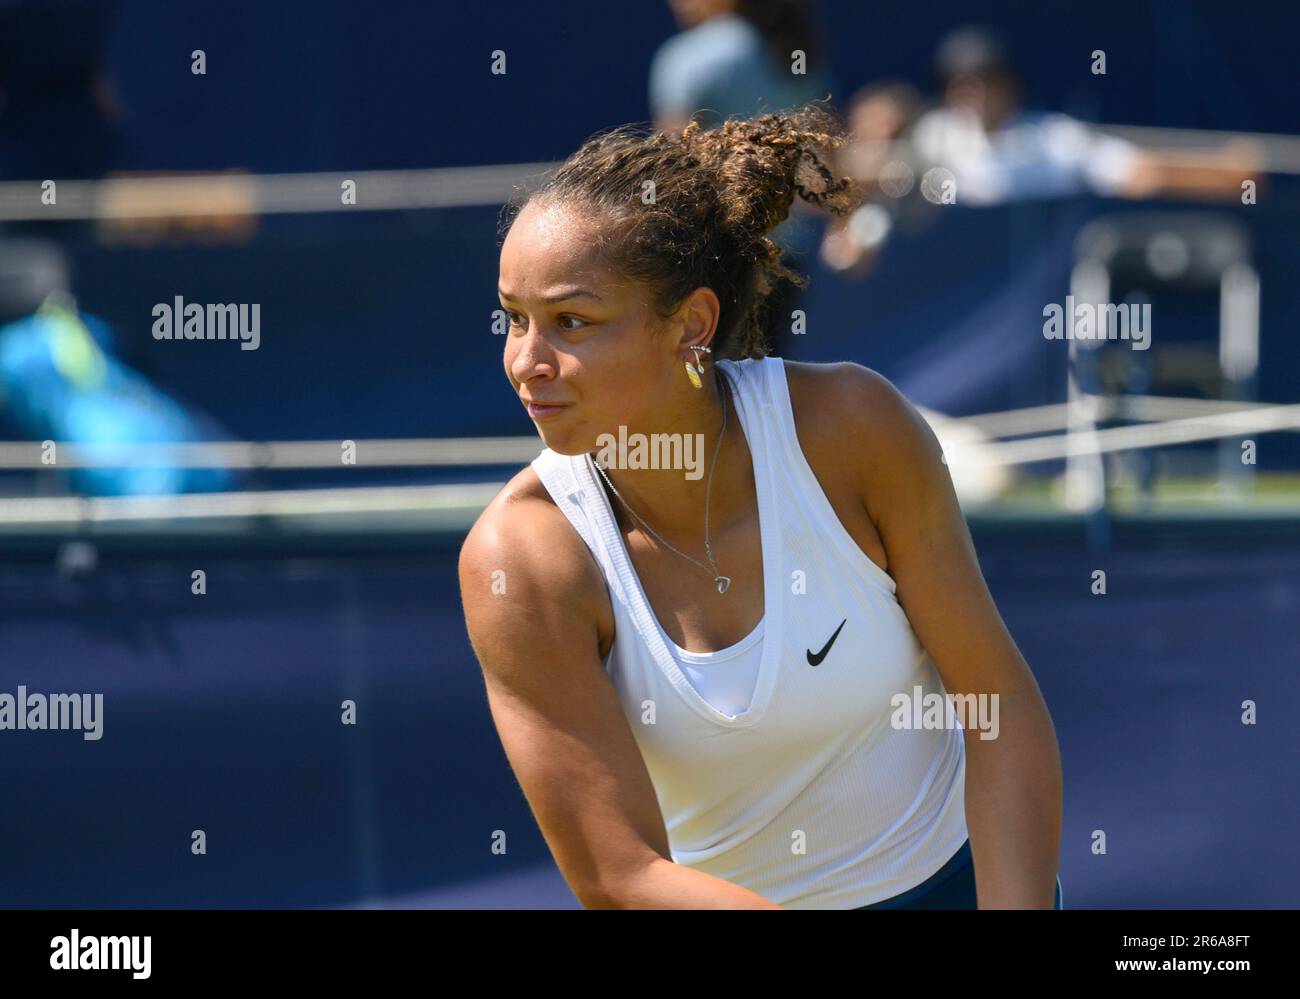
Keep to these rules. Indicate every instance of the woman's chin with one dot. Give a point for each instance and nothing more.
(562, 443)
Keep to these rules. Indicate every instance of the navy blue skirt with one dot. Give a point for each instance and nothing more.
(952, 886)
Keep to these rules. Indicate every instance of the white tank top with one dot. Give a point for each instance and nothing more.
(774, 774)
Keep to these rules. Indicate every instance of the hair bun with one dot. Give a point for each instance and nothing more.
(762, 163)
(675, 212)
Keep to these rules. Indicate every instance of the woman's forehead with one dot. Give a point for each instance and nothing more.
(551, 232)
(553, 246)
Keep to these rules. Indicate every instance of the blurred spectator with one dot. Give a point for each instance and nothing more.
(997, 151)
(59, 383)
(734, 57)
(739, 58)
(994, 151)
(878, 118)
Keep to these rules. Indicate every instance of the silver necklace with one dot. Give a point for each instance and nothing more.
(722, 582)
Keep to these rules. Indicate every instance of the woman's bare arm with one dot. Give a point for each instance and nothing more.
(1013, 781)
(531, 594)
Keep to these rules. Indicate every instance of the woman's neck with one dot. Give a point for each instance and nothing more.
(670, 499)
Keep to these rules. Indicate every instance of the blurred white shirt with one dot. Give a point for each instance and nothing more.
(1035, 155)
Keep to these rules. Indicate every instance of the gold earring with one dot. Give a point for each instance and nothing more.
(693, 371)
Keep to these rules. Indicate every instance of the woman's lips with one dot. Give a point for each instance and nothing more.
(543, 412)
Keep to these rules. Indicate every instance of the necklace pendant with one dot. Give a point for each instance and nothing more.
(724, 583)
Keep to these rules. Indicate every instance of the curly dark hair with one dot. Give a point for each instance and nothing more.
(715, 195)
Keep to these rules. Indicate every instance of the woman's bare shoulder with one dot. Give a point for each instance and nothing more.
(844, 397)
(823, 405)
(834, 382)
(522, 514)
(859, 431)
(522, 536)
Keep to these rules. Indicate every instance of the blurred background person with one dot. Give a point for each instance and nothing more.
(741, 58)
(994, 151)
(880, 162)
(998, 151)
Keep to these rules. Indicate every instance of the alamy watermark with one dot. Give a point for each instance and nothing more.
(919, 710)
(98, 953)
(684, 451)
(59, 712)
(1104, 321)
(178, 321)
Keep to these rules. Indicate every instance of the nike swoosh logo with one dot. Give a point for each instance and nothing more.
(815, 659)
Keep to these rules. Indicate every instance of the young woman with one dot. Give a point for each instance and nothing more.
(696, 671)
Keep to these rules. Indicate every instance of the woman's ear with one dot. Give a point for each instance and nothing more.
(700, 312)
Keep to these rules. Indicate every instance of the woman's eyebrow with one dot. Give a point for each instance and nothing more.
(548, 299)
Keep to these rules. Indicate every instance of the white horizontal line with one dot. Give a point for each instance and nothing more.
(1182, 421)
(397, 452)
(270, 503)
(1197, 428)
(233, 194)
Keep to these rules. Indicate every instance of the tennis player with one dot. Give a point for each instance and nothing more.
(707, 671)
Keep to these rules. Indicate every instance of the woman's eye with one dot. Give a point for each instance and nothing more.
(517, 320)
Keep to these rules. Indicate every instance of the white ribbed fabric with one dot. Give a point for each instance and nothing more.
(807, 795)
